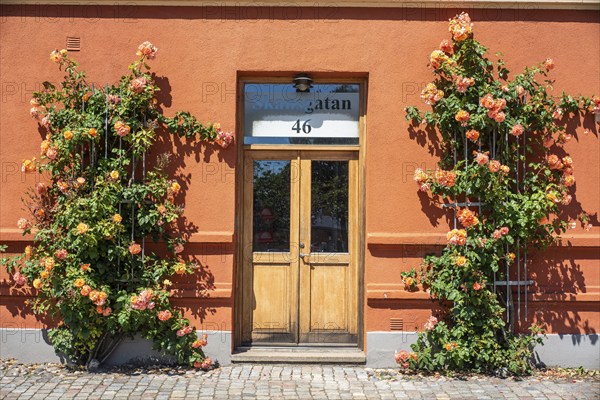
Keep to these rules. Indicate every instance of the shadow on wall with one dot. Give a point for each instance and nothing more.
(235, 12)
(564, 302)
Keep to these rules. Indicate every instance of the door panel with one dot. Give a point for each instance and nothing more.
(327, 298)
(272, 287)
(270, 260)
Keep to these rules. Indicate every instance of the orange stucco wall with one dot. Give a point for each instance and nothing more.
(203, 51)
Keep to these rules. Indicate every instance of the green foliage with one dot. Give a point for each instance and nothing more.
(91, 220)
(507, 135)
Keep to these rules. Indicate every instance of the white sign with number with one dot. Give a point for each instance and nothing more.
(311, 115)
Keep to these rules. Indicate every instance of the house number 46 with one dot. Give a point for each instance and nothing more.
(305, 127)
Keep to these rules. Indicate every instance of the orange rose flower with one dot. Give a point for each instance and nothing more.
(135, 248)
(463, 117)
(472, 135)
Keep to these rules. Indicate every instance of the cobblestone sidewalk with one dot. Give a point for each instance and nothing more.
(278, 382)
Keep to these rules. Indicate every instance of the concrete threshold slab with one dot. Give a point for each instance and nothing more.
(299, 355)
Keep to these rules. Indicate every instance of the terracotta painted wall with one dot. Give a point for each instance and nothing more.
(202, 51)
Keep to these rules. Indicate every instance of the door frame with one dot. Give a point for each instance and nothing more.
(319, 151)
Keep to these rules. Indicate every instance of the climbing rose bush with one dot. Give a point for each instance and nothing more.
(509, 136)
(88, 265)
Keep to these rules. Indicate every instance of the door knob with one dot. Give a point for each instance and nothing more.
(303, 255)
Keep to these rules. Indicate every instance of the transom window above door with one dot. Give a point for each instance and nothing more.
(325, 114)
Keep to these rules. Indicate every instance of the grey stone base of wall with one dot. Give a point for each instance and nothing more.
(32, 346)
(569, 350)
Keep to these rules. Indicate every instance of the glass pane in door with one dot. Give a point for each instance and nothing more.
(271, 206)
(329, 206)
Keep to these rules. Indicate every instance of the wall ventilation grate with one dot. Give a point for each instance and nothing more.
(396, 324)
(73, 43)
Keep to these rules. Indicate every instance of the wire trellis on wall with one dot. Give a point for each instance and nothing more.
(505, 287)
(102, 147)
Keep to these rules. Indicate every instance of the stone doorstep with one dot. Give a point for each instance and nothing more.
(299, 355)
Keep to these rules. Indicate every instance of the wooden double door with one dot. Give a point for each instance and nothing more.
(299, 269)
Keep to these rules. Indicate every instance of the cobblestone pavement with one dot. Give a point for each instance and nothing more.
(278, 382)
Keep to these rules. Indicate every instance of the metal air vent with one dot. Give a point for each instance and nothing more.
(73, 43)
(396, 324)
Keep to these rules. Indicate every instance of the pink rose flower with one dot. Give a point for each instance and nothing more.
(23, 223)
(207, 363)
(494, 166)
(517, 130)
(481, 158)
(61, 254)
(431, 323)
(19, 279)
(447, 47)
(138, 84)
(164, 315)
(147, 50)
(41, 188)
(122, 128)
(51, 153)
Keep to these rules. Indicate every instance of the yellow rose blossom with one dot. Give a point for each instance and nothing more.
(28, 251)
(44, 274)
(79, 282)
(450, 346)
(552, 197)
(409, 281)
(179, 268)
(28, 165)
(167, 282)
(49, 263)
(68, 135)
(117, 218)
(461, 260)
(114, 175)
(37, 283)
(82, 228)
(44, 146)
(93, 132)
(175, 187)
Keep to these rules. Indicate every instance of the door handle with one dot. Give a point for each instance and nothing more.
(303, 256)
